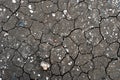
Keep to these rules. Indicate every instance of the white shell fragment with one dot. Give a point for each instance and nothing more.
(65, 12)
(44, 65)
(13, 1)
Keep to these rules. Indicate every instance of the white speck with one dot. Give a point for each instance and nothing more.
(34, 72)
(1, 45)
(30, 6)
(65, 12)
(31, 57)
(78, 69)
(107, 32)
(45, 65)
(107, 55)
(28, 57)
(18, 59)
(77, 1)
(91, 67)
(110, 9)
(31, 11)
(34, 33)
(59, 58)
(104, 27)
(67, 50)
(13, 1)
(53, 14)
(7, 16)
(70, 63)
(31, 60)
(68, 16)
(51, 5)
(114, 63)
(39, 75)
(63, 15)
(8, 57)
(4, 10)
(22, 1)
(47, 6)
(46, 56)
(0, 78)
(47, 78)
(17, 44)
(90, 33)
(6, 34)
(0, 9)
(0, 60)
(16, 14)
(23, 35)
(116, 34)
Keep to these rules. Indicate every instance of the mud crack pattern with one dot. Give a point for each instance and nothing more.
(59, 39)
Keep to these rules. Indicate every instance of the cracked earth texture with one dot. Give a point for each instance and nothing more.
(59, 39)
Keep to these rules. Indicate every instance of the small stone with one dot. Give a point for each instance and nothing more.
(70, 63)
(44, 65)
(39, 75)
(0, 9)
(31, 11)
(65, 12)
(30, 6)
(21, 24)
(47, 78)
(53, 14)
(6, 34)
(13, 1)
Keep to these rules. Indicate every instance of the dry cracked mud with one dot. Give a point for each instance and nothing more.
(59, 39)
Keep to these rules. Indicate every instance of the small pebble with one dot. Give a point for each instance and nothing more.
(21, 24)
(44, 65)
(13, 1)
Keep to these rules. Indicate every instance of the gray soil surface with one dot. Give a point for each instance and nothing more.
(59, 39)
